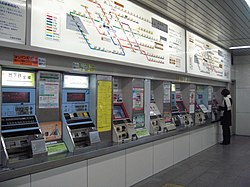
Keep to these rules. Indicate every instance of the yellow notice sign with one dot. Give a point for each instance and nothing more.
(104, 106)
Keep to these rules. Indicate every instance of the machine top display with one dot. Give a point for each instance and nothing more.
(73, 81)
(18, 79)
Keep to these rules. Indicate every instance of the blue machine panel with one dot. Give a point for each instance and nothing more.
(18, 102)
(75, 100)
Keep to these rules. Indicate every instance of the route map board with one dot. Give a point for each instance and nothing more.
(112, 30)
(207, 59)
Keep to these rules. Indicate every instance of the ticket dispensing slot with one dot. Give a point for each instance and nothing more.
(123, 128)
(77, 122)
(21, 134)
(185, 117)
(157, 123)
(175, 115)
(200, 117)
(180, 115)
(169, 126)
(22, 138)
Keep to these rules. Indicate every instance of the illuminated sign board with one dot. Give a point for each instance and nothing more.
(127, 33)
(18, 79)
(71, 81)
(206, 59)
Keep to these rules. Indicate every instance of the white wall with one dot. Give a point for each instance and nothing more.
(123, 168)
(242, 76)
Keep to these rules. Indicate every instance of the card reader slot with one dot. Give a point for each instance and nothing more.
(19, 126)
(85, 125)
(17, 120)
(21, 133)
(78, 120)
(19, 154)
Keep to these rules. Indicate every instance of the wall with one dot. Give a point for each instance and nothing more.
(123, 168)
(242, 76)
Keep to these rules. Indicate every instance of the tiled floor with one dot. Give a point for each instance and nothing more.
(218, 166)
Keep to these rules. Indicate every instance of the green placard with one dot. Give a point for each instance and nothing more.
(56, 148)
(142, 132)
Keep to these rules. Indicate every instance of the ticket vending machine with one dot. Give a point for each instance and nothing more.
(160, 107)
(77, 122)
(157, 123)
(180, 113)
(21, 136)
(128, 99)
(138, 107)
(216, 102)
(202, 105)
(123, 128)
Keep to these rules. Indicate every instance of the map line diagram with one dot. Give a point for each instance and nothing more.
(106, 29)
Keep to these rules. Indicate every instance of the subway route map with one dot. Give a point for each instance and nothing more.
(207, 59)
(119, 31)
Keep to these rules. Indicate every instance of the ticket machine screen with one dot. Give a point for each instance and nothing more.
(118, 112)
(72, 97)
(16, 97)
(181, 107)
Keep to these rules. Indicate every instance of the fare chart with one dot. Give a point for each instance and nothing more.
(207, 59)
(114, 30)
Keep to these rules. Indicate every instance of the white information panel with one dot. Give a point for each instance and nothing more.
(116, 30)
(207, 59)
(13, 20)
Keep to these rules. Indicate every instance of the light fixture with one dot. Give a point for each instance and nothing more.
(248, 2)
(240, 47)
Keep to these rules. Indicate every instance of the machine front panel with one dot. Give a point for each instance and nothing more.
(18, 102)
(75, 100)
(21, 133)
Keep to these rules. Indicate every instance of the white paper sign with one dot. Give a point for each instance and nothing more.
(13, 19)
(49, 90)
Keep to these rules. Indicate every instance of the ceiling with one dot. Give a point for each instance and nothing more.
(224, 22)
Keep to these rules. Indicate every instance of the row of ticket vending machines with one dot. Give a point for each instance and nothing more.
(140, 108)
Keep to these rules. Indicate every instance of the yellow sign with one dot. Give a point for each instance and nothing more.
(104, 106)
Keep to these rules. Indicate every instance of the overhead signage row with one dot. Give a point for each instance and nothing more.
(114, 30)
(119, 31)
